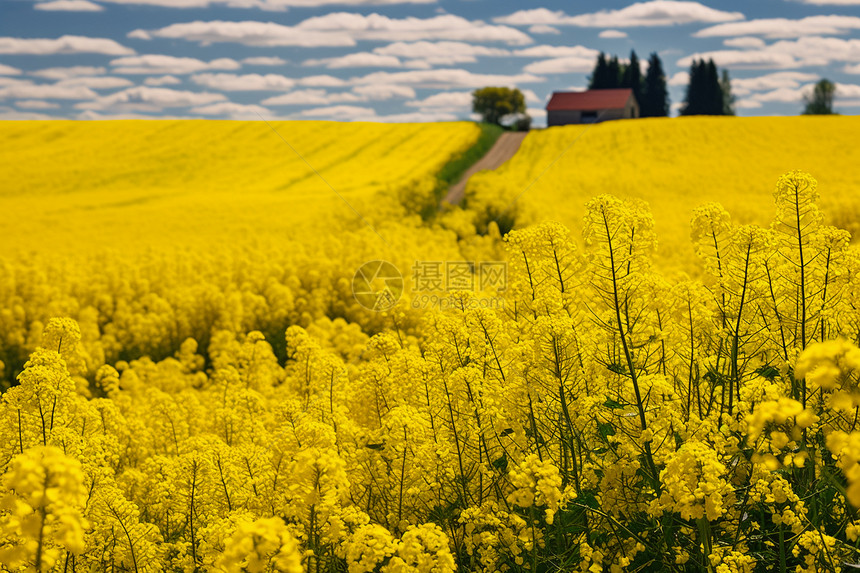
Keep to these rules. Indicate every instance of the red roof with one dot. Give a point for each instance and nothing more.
(591, 100)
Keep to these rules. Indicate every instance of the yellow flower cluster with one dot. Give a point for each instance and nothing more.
(236, 409)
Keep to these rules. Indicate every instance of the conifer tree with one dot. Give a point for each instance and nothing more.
(632, 77)
(599, 77)
(655, 95)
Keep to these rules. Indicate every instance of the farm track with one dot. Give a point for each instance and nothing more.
(504, 148)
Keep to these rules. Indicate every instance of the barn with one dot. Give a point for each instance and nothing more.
(591, 106)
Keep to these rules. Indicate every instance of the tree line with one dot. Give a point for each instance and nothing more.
(709, 91)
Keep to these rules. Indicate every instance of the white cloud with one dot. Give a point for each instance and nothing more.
(8, 113)
(265, 61)
(847, 90)
(162, 64)
(96, 82)
(350, 112)
(438, 51)
(93, 116)
(6, 81)
(445, 78)
(567, 65)
(69, 6)
(312, 97)
(9, 71)
(538, 114)
(781, 95)
(62, 45)
(35, 104)
(233, 110)
(832, 2)
(413, 117)
(543, 29)
(162, 81)
(249, 33)
(339, 29)
(612, 34)
(356, 60)
(747, 104)
(321, 81)
(445, 101)
(773, 81)
(144, 98)
(654, 13)
(784, 27)
(744, 42)
(786, 54)
(546, 51)
(272, 5)
(855, 69)
(246, 82)
(70, 72)
(679, 79)
(46, 92)
(380, 92)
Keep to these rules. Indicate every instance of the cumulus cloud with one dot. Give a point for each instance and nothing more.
(784, 27)
(772, 81)
(46, 92)
(36, 104)
(612, 34)
(339, 29)
(232, 110)
(8, 113)
(321, 81)
(69, 72)
(445, 78)
(96, 82)
(566, 65)
(162, 81)
(543, 29)
(679, 79)
(427, 54)
(62, 45)
(145, 98)
(69, 6)
(445, 101)
(9, 71)
(264, 61)
(312, 97)
(546, 51)
(745, 42)
(855, 69)
(347, 112)
(7, 81)
(381, 92)
(786, 54)
(244, 83)
(162, 64)
(654, 13)
(356, 60)
(273, 5)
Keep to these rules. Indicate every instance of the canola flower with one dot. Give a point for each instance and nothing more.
(209, 414)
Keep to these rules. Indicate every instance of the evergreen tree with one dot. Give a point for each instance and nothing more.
(614, 74)
(820, 102)
(728, 98)
(632, 76)
(655, 94)
(600, 75)
(705, 92)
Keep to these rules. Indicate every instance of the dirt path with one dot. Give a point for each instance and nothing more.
(504, 148)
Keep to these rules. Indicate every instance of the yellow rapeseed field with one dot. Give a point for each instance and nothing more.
(676, 165)
(133, 184)
(191, 386)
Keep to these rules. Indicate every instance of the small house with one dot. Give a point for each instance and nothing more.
(591, 106)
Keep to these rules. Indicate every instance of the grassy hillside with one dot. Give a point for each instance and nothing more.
(676, 165)
(123, 183)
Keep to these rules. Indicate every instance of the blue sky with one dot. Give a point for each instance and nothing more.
(398, 60)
